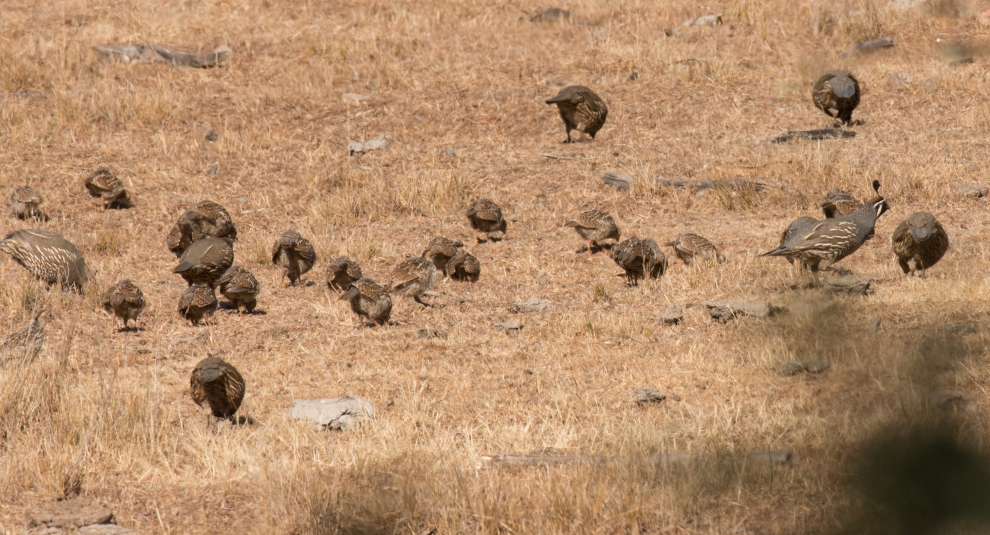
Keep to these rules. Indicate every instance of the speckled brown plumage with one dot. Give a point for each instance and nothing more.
(125, 301)
(240, 287)
(197, 303)
(217, 383)
(594, 226)
(341, 273)
(48, 256)
(640, 259)
(25, 202)
(690, 247)
(26, 342)
(837, 94)
(919, 240)
(486, 217)
(104, 184)
(295, 254)
(838, 202)
(463, 267)
(205, 261)
(581, 109)
(206, 219)
(412, 277)
(440, 250)
(369, 300)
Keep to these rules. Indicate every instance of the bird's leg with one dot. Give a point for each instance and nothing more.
(590, 244)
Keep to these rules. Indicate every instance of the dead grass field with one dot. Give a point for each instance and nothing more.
(112, 410)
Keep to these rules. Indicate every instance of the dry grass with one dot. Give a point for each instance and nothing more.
(457, 87)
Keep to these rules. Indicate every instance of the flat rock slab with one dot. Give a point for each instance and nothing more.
(814, 135)
(76, 513)
(947, 401)
(430, 332)
(870, 46)
(149, 52)
(618, 180)
(726, 310)
(802, 366)
(533, 304)
(508, 326)
(975, 191)
(648, 395)
(106, 529)
(850, 284)
(707, 20)
(673, 315)
(722, 183)
(359, 147)
(333, 413)
(551, 15)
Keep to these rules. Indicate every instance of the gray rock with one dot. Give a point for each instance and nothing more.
(76, 512)
(673, 315)
(508, 326)
(533, 304)
(45, 530)
(726, 310)
(707, 20)
(551, 15)
(358, 147)
(430, 332)
(947, 401)
(802, 366)
(648, 395)
(869, 47)
(355, 97)
(849, 284)
(618, 181)
(106, 529)
(875, 324)
(960, 328)
(213, 170)
(333, 413)
(975, 191)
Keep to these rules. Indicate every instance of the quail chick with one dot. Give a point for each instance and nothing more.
(837, 94)
(29, 338)
(205, 261)
(198, 302)
(125, 301)
(839, 202)
(921, 240)
(240, 287)
(440, 250)
(103, 183)
(206, 219)
(218, 384)
(369, 300)
(48, 256)
(486, 217)
(594, 226)
(463, 267)
(581, 109)
(690, 247)
(412, 277)
(341, 273)
(295, 254)
(25, 203)
(641, 259)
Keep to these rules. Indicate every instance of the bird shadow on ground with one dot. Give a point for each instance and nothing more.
(598, 249)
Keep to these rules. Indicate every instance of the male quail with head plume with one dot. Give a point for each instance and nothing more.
(48, 256)
(205, 261)
(594, 226)
(837, 94)
(25, 202)
(690, 247)
(103, 183)
(464, 266)
(341, 273)
(198, 302)
(369, 300)
(240, 287)
(218, 384)
(641, 259)
(295, 254)
(125, 301)
(486, 216)
(581, 109)
(921, 239)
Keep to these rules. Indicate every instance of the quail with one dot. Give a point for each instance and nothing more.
(581, 109)
(240, 287)
(440, 250)
(799, 225)
(594, 226)
(412, 277)
(690, 247)
(103, 183)
(839, 202)
(833, 239)
(369, 300)
(295, 254)
(218, 384)
(921, 239)
(837, 94)
(25, 202)
(198, 302)
(30, 337)
(125, 301)
(486, 217)
(463, 267)
(341, 273)
(640, 258)
(205, 261)
(48, 256)
(206, 219)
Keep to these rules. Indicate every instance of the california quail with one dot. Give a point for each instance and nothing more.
(341, 273)
(124, 301)
(594, 226)
(48, 256)
(240, 287)
(690, 247)
(198, 301)
(295, 254)
(463, 267)
(25, 202)
(800, 225)
(922, 239)
(412, 277)
(29, 338)
(641, 259)
(440, 250)
(217, 383)
(833, 239)
(837, 94)
(103, 183)
(206, 219)
(205, 261)
(369, 300)
(486, 216)
(839, 202)
(581, 109)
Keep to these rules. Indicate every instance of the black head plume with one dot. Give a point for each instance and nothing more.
(876, 186)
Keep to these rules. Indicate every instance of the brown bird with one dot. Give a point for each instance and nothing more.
(594, 226)
(205, 261)
(341, 273)
(581, 109)
(198, 302)
(839, 202)
(486, 216)
(837, 94)
(921, 239)
(240, 287)
(463, 267)
(217, 383)
(295, 254)
(369, 300)
(25, 202)
(48, 256)
(103, 183)
(690, 247)
(440, 250)
(412, 277)
(124, 301)
(30, 337)
(641, 259)
(206, 219)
